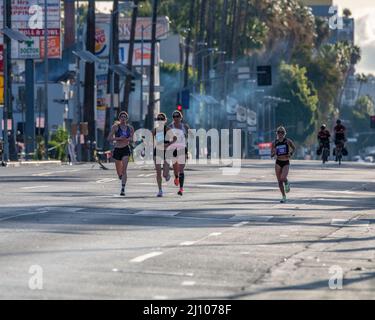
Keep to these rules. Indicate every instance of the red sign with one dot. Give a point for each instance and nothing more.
(266, 145)
(53, 47)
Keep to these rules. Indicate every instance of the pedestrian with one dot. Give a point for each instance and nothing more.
(283, 148)
(160, 145)
(180, 151)
(122, 136)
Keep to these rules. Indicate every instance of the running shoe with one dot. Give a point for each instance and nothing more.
(160, 194)
(283, 200)
(122, 192)
(176, 182)
(287, 187)
(180, 191)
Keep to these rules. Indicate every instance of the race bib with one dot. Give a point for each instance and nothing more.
(281, 150)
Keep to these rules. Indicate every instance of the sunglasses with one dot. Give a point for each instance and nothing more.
(280, 132)
(176, 116)
(160, 119)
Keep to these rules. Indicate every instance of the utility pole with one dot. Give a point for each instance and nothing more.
(46, 71)
(125, 106)
(7, 73)
(188, 43)
(89, 88)
(151, 105)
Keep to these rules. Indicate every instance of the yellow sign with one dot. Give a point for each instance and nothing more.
(1, 89)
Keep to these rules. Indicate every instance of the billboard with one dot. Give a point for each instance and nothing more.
(28, 18)
(137, 54)
(162, 27)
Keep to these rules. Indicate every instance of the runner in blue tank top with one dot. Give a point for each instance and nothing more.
(283, 148)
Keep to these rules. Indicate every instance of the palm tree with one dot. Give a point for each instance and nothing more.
(361, 79)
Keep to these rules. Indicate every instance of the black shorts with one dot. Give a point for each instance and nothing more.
(282, 163)
(175, 152)
(119, 153)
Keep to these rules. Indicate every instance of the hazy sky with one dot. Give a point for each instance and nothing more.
(364, 13)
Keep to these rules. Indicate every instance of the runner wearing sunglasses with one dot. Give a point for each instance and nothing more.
(283, 148)
(121, 135)
(161, 144)
(180, 150)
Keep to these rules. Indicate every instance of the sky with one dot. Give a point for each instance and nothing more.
(364, 13)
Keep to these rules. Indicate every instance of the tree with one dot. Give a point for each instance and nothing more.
(347, 13)
(298, 115)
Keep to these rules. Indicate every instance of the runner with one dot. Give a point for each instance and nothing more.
(161, 144)
(283, 148)
(122, 135)
(179, 145)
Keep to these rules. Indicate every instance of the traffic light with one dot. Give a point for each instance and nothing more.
(372, 122)
(132, 84)
(264, 75)
(179, 107)
(183, 98)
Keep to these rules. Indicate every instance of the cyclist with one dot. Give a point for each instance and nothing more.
(339, 136)
(323, 139)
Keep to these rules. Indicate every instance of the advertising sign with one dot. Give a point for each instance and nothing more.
(162, 27)
(28, 18)
(137, 54)
(265, 149)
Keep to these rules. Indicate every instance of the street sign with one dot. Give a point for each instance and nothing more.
(265, 148)
(29, 49)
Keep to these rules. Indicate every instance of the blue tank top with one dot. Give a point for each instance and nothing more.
(123, 133)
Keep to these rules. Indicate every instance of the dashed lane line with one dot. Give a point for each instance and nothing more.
(146, 256)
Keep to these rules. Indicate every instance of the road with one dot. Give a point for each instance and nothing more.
(65, 233)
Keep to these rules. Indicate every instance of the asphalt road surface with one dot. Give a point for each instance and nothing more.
(65, 233)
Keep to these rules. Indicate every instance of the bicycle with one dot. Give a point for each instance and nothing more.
(325, 153)
(338, 153)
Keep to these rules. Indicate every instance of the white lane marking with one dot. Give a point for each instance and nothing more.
(146, 256)
(34, 187)
(53, 172)
(237, 225)
(187, 243)
(245, 253)
(214, 234)
(105, 180)
(63, 209)
(188, 283)
(160, 297)
(359, 223)
(339, 222)
(141, 175)
(149, 175)
(23, 214)
(157, 213)
(252, 218)
(343, 192)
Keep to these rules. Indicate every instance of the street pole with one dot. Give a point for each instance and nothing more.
(46, 71)
(142, 72)
(30, 114)
(7, 72)
(78, 89)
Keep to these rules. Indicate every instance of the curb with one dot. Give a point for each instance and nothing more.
(33, 163)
